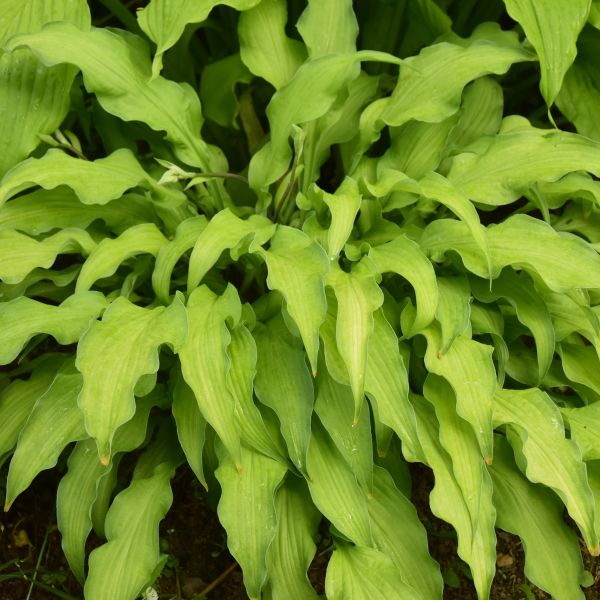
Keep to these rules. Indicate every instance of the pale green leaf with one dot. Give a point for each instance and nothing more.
(20, 254)
(94, 182)
(334, 489)
(447, 500)
(264, 46)
(25, 84)
(116, 68)
(362, 574)
(225, 231)
(335, 407)
(204, 361)
(386, 382)
(54, 422)
(132, 528)
(552, 29)
(80, 489)
(530, 309)
(499, 169)
(552, 557)
(292, 549)
(358, 296)
(457, 438)
(44, 210)
(114, 354)
(22, 318)
(296, 268)
(430, 85)
(454, 309)
(469, 369)
(19, 397)
(242, 354)
(562, 260)
(191, 425)
(404, 257)
(398, 532)
(283, 383)
(164, 21)
(550, 458)
(247, 511)
(343, 205)
(108, 255)
(333, 16)
(169, 254)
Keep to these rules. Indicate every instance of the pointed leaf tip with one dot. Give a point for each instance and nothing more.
(105, 460)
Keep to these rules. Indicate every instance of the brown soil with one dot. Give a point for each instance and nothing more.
(198, 561)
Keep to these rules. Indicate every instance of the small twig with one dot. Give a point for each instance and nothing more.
(216, 582)
(37, 566)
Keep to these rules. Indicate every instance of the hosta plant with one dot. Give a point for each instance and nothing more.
(297, 246)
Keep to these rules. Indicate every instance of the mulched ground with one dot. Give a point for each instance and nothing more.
(199, 564)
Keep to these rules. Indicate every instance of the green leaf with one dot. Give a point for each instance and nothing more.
(530, 309)
(358, 297)
(242, 354)
(550, 458)
(343, 205)
(283, 383)
(430, 85)
(94, 182)
(404, 257)
(334, 489)
(468, 368)
(54, 422)
(580, 364)
(552, 30)
(292, 549)
(296, 268)
(114, 354)
(225, 231)
(335, 407)
(247, 511)
(116, 68)
(264, 46)
(499, 169)
(42, 211)
(386, 382)
(164, 21)
(562, 260)
(447, 500)
(308, 96)
(217, 89)
(132, 528)
(19, 397)
(80, 489)
(191, 425)
(472, 478)
(362, 574)
(580, 93)
(25, 83)
(398, 532)
(20, 254)
(454, 309)
(204, 361)
(187, 233)
(22, 318)
(332, 16)
(552, 557)
(108, 255)
(584, 424)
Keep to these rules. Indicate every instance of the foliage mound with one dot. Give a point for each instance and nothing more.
(299, 245)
